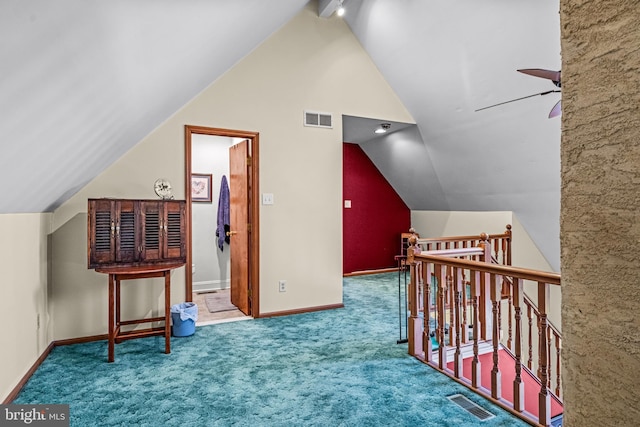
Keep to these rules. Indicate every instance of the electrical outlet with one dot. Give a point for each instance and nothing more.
(282, 286)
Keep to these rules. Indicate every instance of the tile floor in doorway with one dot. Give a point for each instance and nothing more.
(206, 318)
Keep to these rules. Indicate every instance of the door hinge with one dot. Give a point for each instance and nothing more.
(248, 161)
(249, 228)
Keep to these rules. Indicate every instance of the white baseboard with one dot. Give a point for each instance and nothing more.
(210, 285)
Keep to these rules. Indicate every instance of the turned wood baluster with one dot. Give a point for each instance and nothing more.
(452, 301)
(457, 277)
(549, 360)
(483, 307)
(465, 304)
(557, 363)
(427, 273)
(510, 304)
(544, 398)
(442, 303)
(541, 339)
(476, 367)
(496, 376)
(518, 384)
(530, 361)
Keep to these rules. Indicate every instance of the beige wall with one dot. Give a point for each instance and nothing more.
(459, 223)
(310, 63)
(23, 292)
(466, 223)
(600, 202)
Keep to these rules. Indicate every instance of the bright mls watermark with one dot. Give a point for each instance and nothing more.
(34, 415)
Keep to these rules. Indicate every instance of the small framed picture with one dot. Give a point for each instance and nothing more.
(201, 187)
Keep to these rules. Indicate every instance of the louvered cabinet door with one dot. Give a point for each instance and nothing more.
(151, 230)
(101, 232)
(124, 232)
(127, 240)
(174, 245)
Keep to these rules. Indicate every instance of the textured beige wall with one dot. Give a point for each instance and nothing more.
(600, 227)
(310, 63)
(23, 293)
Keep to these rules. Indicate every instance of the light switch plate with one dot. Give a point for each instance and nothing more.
(267, 198)
(347, 204)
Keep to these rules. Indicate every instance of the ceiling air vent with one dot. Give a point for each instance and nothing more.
(470, 407)
(318, 120)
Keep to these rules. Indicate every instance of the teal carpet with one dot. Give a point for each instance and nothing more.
(332, 368)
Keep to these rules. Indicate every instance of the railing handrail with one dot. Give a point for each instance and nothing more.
(478, 251)
(503, 270)
(505, 235)
(455, 252)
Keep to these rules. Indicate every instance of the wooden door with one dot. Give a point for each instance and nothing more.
(239, 227)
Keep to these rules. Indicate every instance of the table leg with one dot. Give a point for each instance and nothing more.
(111, 356)
(118, 299)
(167, 312)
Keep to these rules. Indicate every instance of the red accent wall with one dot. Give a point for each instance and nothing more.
(371, 227)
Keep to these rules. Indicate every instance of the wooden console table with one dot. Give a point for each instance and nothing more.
(118, 274)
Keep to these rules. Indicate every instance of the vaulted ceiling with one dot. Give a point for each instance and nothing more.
(82, 81)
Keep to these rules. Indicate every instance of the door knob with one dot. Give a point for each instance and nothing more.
(231, 233)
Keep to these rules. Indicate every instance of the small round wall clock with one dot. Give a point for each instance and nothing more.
(162, 188)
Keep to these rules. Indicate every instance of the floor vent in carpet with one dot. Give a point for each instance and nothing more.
(471, 407)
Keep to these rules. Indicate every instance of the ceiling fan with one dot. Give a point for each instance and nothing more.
(554, 76)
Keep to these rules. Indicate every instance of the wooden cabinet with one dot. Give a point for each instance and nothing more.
(124, 232)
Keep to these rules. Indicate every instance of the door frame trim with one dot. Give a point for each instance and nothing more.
(254, 208)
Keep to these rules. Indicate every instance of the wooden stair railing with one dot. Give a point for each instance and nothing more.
(500, 254)
(486, 282)
(554, 345)
(500, 244)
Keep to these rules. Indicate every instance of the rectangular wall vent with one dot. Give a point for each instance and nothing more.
(471, 407)
(318, 120)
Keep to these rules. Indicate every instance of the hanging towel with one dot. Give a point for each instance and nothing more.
(223, 214)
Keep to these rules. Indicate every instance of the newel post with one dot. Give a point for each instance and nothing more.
(507, 250)
(414, 326)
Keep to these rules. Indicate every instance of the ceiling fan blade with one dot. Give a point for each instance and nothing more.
(556, 110)
(554, 76)
(539, 72)
(518, 99)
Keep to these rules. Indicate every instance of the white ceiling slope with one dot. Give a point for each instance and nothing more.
(401, 156)
(83, 81)
(446, 59)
